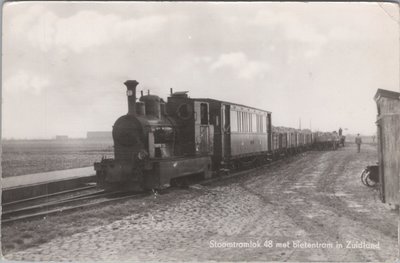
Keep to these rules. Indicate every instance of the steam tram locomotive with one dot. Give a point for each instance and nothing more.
(158, 143)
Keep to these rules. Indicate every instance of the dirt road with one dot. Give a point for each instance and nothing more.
(312, 207)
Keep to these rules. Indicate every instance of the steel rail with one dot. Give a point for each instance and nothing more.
(48, 195)
(83, 197)
(68, 209)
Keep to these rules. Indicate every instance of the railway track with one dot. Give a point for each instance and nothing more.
(19, 210)
(245, 172)
(88, 196)
(71, 192)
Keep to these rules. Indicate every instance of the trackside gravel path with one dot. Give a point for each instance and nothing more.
(314, 199)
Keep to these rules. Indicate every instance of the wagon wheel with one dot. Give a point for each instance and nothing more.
(234, 166)
(368, 180)
(365, 178)
(371, 183)
(255, 162)
(363, 174)
(231, 166)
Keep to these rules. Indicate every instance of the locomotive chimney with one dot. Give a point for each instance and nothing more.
(131, 93)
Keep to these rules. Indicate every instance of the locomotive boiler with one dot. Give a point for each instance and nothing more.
(156, 143)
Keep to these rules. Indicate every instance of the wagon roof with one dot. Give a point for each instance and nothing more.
(290, 129)
(231, 103)
(386, 94)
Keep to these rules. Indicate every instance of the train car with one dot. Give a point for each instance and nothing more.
(321, 140)
(276, 143)
(280, 142)
(156, 143)
(326, 140)
(307, 139)
(292, 140)
(242, 134)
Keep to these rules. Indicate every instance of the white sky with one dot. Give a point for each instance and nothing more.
(64, 64)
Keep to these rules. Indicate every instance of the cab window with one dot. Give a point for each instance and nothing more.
(204, 113)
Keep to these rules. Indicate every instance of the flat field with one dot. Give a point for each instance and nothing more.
(21, 157)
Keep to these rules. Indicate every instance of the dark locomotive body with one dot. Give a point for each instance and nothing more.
(157, 144)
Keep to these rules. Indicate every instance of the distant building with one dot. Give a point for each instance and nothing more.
(61, 137)
(104, 135)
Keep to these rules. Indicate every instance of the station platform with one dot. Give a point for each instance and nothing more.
(26, 186)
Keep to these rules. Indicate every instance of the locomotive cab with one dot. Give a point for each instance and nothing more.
(192, 118)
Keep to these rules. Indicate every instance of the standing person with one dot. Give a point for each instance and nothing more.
(358, 142)
(341, 137)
